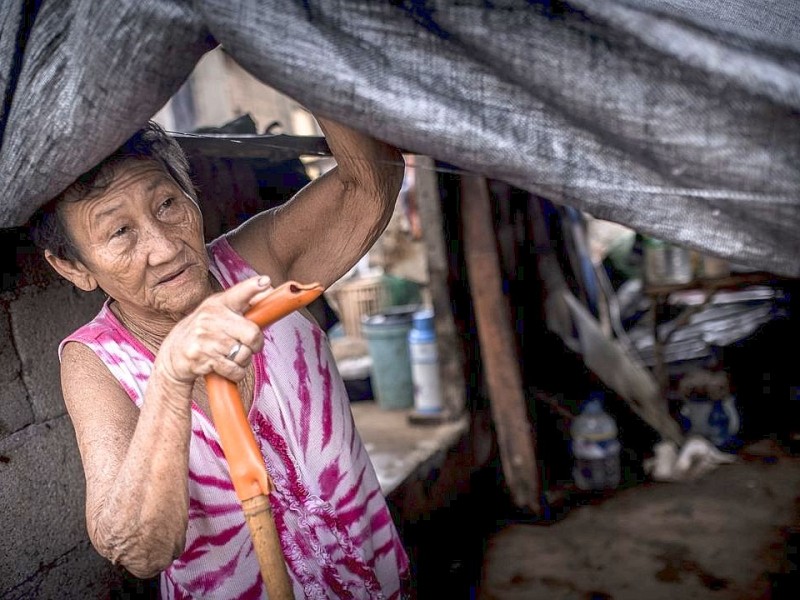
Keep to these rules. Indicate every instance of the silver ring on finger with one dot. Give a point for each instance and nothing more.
(234, 351)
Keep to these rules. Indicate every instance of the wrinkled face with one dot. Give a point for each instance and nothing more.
(141, 241)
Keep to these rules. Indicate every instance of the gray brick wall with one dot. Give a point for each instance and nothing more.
(45, 551)
(42, 518)
(15, 409)
(40, 318)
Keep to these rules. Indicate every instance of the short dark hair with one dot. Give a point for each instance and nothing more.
(149, 143)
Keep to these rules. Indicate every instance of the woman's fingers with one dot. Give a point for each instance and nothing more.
(214, 357)
(233, 369)
(239, 354)
(205, 341)
(235, 329)
(260, 296)
(234, 351)
(240, 297)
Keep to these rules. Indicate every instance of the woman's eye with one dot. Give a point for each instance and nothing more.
(167, 203)
(120, 232)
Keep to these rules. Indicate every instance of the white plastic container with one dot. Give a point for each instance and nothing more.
(715, 420)
(424, 363)
(595, 447)
(666, 263)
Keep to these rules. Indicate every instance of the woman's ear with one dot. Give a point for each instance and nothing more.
(72, 270)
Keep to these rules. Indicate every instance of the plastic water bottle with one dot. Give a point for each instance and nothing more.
(424, 363)
(595, 447)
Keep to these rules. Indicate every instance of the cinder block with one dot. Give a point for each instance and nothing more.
(40, 318)
(77, 575)
(42, 496)
(15, 408)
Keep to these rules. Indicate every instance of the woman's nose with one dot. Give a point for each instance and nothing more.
(162, 245)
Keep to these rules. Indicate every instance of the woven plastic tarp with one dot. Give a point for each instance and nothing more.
(677, 118)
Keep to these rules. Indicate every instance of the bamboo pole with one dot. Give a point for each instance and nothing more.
(250, 481)
(248, 472)
(258, 514)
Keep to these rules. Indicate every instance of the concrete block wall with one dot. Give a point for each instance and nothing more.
(45, 551)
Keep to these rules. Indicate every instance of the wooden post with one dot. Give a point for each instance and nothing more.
(516, 437)
(451, 370)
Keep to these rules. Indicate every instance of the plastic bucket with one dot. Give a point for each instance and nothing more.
(387, 342)
(400, 291)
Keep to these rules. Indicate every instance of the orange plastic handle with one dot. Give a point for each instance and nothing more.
(248, 472)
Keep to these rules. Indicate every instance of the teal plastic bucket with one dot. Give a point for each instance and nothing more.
(387, 342)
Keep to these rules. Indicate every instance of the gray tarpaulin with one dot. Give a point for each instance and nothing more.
(679, 118)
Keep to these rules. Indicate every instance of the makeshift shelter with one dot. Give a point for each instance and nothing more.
(678, 119)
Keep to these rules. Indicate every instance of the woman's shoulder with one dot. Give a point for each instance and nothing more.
(226, 264)
(105, 331)
(86, 377)
(231, 262)
(103, 348)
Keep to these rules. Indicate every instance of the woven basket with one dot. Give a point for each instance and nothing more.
(357, 299)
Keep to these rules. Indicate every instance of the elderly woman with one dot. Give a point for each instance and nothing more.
(158, 494)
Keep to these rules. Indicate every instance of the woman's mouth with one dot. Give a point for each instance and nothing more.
(173, 276)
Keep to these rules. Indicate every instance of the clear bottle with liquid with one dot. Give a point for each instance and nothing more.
(595, 447)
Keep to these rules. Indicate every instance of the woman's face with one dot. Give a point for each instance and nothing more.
(141, 241)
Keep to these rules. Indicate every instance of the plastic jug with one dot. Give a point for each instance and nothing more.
(595, 447)
(715, 420)
(424, 363)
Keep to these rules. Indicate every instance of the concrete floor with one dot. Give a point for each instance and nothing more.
(731, 535)
(399, 450)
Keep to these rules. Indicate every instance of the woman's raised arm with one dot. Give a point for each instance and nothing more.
(331, 223)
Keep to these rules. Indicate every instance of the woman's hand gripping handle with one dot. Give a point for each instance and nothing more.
(248, 473)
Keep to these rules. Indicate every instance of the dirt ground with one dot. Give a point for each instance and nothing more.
(731, 535)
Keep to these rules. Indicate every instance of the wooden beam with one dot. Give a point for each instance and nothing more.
(277, 148)
(448, 345)
(711, 286)
(516, 437)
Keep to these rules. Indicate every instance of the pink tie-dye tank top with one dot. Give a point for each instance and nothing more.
(335, 528)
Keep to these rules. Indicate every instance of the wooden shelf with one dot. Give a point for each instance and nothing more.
(658, 298)
(735, 280)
